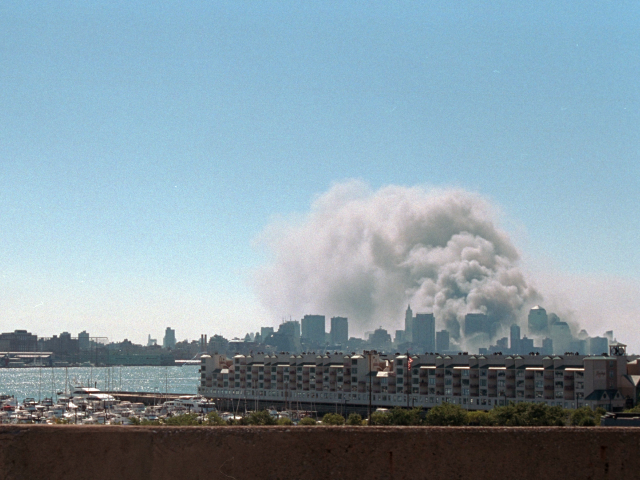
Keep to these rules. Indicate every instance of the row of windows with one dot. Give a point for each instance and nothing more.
(382, 397)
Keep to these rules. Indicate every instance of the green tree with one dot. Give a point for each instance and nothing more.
(214, 419)
(262, 417)
(558, 416)
(147, 422)
(380, 418)
(529, 414)
(333, 419)
(284, 421)
(403, 417)
(354, 420)
(538, 414)
(446, 414)
(307, 421)
(511, 415)
(481, 418)
(584, 417)
(185, 419)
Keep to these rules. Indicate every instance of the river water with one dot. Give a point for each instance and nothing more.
(44, 382)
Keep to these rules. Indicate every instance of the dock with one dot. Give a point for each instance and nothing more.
(148, 398)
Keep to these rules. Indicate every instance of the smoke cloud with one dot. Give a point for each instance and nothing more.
(366, 254)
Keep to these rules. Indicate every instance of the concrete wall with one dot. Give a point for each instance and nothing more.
(101, 452)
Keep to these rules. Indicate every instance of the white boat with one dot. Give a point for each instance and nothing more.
(29, 404)
(190, 403)
(90, 394)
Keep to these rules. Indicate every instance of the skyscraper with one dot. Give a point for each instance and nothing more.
(442, 341)
(339, 330)
(526, 345)
(562, 338)
(515, 339)
(169, 340)
(408, 325)
(313, 329)
(84, 342)
(265, 333)
(424, 331)
(287, 337)
(598, 345)
(290, 328)
(538, 321)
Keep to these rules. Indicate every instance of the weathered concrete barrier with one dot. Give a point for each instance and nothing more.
(106, 452)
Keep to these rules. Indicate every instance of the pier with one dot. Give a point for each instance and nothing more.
(148, 398)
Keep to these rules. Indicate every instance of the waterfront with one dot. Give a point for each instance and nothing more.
(44, 382)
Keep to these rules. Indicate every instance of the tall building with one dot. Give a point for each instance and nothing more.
(265, 333)
(380, 339)
(515, 339)
(169, 340)
(442, 341)
(538, 321)
(287, 338)
(313, 328)
(598, 345)
(339, 330)
(84, 343)
(526, 346)
(408, 325)
(18, 341)
(562, 338)
(290, 328)
(547, 346)
(424, 331)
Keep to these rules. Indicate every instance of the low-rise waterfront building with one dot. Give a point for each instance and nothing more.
(475, 382)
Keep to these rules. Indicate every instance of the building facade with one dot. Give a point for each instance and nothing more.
(538, 321)
(475, 382)
(424, 331)
(169, 340)
(18, 341)
(339, 330)
(313, 329)
(442, 341)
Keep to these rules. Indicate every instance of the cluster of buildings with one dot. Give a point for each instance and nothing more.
(479, 333)
(21, 348)
(551, 366)
(352, 382)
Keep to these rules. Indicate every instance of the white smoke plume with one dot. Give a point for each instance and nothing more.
(365, 254)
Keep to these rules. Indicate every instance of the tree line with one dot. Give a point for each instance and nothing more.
(511, 415)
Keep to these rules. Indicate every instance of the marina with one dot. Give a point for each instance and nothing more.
(90, 406)
(109, 395)
(47, 382)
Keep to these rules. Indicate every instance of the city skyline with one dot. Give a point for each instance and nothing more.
(544, 333)
(159, 160)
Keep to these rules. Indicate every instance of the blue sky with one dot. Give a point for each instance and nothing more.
(144, 147)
